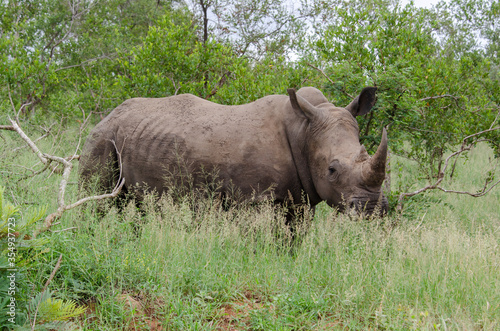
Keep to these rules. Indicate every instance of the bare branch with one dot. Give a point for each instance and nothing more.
(45, 158)
(84, 62)
(68, 166)
(62, 191)
(331, 81)
(34, 173)
(485, 190)
(47, 132)
(28, 141)
(17, 112)
(175, 86)
(7, 127)
(53, 273)
(496, 118)
(440, 97)
(479, 133)
(68, 229)
(222, 81)
(441, 175)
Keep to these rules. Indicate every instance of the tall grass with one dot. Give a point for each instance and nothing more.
(201, 267)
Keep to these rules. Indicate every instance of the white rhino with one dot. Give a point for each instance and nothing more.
(296, 145)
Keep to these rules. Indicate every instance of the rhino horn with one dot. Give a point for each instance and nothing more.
(375, 172)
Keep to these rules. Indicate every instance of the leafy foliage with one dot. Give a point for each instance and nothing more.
(49, 311)
(172, 60)
(19, 253)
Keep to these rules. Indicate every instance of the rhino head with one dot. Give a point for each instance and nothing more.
(340, 169)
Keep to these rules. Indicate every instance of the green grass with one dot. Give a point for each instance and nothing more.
(437, 266)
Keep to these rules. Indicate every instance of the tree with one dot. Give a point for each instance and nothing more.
(255, 29)
(54, 50)
(173, 60)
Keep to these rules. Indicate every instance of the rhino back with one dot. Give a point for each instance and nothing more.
(246, 145)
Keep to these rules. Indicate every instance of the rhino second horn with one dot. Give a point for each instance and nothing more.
(363, 155)
(375, 172)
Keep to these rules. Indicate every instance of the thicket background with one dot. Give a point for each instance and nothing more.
(64, 65)
(437, 69)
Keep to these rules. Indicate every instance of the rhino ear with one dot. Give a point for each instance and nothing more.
(363, 103)
(303, 106)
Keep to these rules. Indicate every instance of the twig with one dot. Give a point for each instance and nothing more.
(222, 81)
(7, 127)
(62, 190)
(496, 118)
(84, 62)
(421, 221)
(173, 83)
(58, 265)
(33, 147)
(56, 231)
(440, 97)
(28, 141)
(68, 166)
(454, 98)
(331, 81)
(479, 133)
(85, 119)
(17, 112)
(47, 132)
(463, 148)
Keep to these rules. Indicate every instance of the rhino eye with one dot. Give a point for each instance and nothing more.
(331, 170)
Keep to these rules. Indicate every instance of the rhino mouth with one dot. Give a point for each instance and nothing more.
(368, 207)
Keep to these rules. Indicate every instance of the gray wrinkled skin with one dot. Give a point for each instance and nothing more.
(293, 144)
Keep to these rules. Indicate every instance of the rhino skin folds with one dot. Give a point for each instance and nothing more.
(278, 147)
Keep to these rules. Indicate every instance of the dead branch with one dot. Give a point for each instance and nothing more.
(496, 118)
(488, 186)
(47, 132)
(331, 81)
(17, 112)
(454, 98)
(440, 97)
(68, 229)
(221, 82)
(86, 119)
(62, 191)
(7, 127)
(52, 274)
(28, 141)
(85, 62)
(175, 86)
(34, 148)
(66, 171)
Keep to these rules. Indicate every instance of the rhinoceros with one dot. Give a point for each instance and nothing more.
(280, 147)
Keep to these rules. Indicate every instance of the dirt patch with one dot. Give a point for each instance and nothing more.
(139, 318)
(236, 315)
